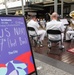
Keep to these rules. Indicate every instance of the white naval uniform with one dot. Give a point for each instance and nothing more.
(55, 25)
(69, 35)
(70, 32)
(35, 25)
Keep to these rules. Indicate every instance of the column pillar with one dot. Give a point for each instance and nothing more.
(55, 5)
(6, 10)
(61, 8)
(22, 7)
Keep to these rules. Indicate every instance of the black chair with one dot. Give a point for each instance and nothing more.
(58, 41)
(33, 34)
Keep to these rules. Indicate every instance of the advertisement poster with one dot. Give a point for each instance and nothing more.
(15, 52)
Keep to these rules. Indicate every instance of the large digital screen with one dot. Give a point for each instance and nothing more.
(16, 57)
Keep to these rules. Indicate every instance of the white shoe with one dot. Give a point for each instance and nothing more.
(49, 46)
(41, 45)
(62, 47)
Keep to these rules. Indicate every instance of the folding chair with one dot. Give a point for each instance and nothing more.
(50, 41)
(33, 36)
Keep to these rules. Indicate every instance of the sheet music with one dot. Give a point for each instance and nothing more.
(64, 21)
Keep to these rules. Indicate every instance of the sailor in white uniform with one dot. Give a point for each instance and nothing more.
(55, 25)
(70, 31)
(33, 23)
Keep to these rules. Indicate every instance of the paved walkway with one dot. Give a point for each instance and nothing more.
(46, 69)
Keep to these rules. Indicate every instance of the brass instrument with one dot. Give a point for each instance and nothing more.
(72, 14)
(72, 20)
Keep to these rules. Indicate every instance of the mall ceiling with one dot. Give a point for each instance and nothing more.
(38, 6)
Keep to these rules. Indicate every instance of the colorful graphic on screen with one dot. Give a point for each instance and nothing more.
(15, 53)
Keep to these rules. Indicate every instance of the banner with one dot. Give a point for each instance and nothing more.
(16, 57)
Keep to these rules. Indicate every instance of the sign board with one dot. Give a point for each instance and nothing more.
(64, 21)
(16, 57)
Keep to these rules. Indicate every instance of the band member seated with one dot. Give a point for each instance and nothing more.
(33, 23)
(54, 24)
(70, 31)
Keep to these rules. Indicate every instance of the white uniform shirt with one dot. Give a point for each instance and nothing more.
(55, 25)
(33, 24)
